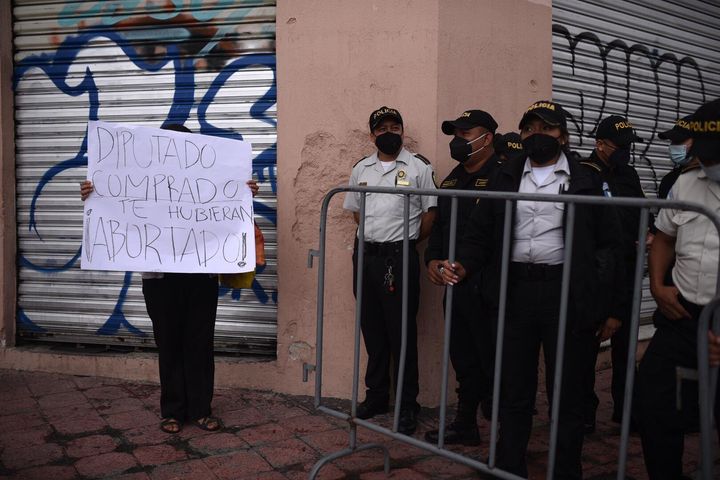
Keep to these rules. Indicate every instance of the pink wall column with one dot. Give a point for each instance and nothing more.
(337, 61)
(8, 247)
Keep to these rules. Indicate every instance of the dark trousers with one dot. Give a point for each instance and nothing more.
(381, 322)
(532, 321)
(471, 346)
(620, 347)
(662, 425)
(182, 308)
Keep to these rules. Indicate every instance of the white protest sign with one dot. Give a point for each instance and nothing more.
(167, 201)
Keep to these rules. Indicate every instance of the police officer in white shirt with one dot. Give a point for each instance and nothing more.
(692, 241)
(536, 268)
(391, 166)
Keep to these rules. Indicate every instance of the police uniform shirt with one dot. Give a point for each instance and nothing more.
(539, 225)
(696, 239)
(384, 212)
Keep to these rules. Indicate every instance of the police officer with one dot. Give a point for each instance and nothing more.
(692, 241)
(509, 146)
(471, 343)
(613, 141)
(680, 144)
(381, 320)
(535, 278)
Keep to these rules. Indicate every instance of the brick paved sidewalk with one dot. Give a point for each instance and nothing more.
(61, 427)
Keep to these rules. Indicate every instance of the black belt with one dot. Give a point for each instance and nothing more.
(386, 248)
(535, 271)
(692, 308)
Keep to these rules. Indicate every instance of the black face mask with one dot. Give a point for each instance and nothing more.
(461, 149)
(541, 148)
(619, 158)
(388, 143)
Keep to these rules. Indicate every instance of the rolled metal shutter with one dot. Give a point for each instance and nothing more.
(207, 64)
(652, 62)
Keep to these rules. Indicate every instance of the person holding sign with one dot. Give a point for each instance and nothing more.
(182, 308)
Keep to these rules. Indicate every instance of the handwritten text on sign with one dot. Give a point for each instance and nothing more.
(167, 201)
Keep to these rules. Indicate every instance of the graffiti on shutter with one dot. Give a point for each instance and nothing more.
(209, 66)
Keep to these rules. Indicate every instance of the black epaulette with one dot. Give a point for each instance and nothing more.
(592, 165)
(425, 160)
(356, 163)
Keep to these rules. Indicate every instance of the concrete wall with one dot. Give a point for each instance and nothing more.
(338, 61)
(7, 183)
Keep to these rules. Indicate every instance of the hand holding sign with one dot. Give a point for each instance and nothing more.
(167, 201)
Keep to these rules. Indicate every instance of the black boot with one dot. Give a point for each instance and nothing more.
(461, 431)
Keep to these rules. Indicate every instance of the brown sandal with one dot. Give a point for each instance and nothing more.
(170, 425)
(210, 424)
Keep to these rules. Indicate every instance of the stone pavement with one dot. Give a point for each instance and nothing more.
(61, 427)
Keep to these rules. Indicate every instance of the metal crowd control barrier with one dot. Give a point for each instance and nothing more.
(707, 376)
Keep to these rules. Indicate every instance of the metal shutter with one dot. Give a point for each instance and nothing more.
(652, 62)
(211, 63)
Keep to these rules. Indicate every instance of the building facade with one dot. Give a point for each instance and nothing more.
(297, 79)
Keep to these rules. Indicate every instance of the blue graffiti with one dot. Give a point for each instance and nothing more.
(117, 318)
(56, 66)
(27, 325)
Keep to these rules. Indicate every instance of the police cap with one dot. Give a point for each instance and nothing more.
(679, 132)
(509, 145)
(470, 119)
(618, 130)
(381, 114)
(549, 112)
(705, 131)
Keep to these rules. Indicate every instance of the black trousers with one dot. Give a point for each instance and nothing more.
(619, 349)
(471, 345)
(662, 425)
(182, 308)
(381, 322)
(532, 321)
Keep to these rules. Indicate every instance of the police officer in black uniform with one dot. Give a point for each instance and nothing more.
(471, 341)
(613, 141)
(537, 255)
(680, 144)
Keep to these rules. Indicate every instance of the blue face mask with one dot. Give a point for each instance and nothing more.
(678, 155)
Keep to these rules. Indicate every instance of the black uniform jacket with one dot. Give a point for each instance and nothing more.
(459, 179)
(595, 245)
(623, 181)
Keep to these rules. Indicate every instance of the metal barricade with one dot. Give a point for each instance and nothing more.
(711, 313)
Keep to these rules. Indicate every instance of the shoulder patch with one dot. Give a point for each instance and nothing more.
(363, 158)
(592, 165)
(425, 160)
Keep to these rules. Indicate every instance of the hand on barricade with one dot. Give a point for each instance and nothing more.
(433, 272)
(451, 273)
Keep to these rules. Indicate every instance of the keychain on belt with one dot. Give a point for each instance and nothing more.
(389, 281)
